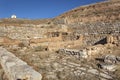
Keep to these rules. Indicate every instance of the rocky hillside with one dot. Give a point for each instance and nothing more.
(93, 21)
(81, 44)
(108, 11)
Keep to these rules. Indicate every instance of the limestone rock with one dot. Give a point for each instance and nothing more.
(16, 69)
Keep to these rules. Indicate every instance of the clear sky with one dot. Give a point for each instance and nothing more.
(36, 9)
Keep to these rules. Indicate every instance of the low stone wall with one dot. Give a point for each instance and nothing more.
(77, 53)
(16, 69)
(88, 52)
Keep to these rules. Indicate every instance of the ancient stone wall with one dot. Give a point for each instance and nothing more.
(78, 53)
(56, 43)
(113, 39)
(88, 52)
(92, 32)
(95, 32)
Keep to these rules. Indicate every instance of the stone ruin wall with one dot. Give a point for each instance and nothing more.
(55, 43)
(96, 31)
(101, 39)
(88, 52)
(91, 34)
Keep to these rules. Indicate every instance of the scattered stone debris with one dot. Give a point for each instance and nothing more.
(108, 62)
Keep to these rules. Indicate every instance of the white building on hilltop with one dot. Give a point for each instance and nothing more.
(13, 16)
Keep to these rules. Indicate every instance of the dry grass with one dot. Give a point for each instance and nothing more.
(9, 21)
(104, 11)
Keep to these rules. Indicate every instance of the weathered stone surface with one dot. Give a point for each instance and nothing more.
(78, 53)
(88, 52)
(15, 68)
(108, 62)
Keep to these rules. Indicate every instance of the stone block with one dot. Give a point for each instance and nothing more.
(16, 69)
